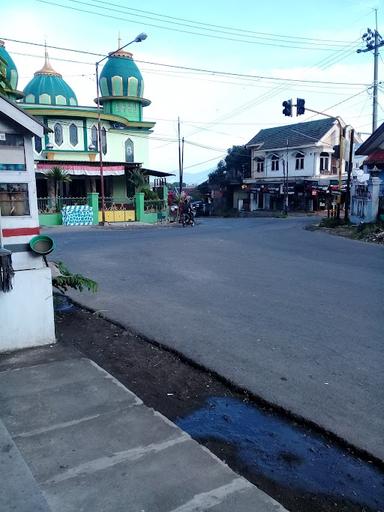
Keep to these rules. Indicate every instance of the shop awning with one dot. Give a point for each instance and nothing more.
(80, 169)
(158, 174)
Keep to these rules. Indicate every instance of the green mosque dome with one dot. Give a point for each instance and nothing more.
(121, 76)
(11, 75)
(122, 87)
(48, 87)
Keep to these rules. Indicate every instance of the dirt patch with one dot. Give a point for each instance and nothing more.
(177, 389)
(373, 233)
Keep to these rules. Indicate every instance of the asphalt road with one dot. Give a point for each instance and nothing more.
(292, 315)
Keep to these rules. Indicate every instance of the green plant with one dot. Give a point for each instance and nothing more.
(370, 228)
(138, 180)
(58, 175)
(230, 212)
(64, 279)
(332, 222)
(150, 195)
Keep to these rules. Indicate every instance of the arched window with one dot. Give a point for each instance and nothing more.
(104, 140)
(94, 137)
(299, 161)
(129, 155)
(274, 163)
(38, 144)
(73, 135)
(58, 130)
(324, 162)
(259, 164)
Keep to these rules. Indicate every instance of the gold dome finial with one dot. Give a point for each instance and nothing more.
(47, 69)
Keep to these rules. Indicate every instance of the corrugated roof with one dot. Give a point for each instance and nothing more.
(377, 157)
(299, 134)
(372, 142)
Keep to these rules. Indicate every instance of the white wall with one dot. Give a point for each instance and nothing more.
(26, 313)
(115, 142)
(309, 163)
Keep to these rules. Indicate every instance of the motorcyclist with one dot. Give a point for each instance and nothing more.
(187, 211)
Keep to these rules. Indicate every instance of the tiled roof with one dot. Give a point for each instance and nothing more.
(299, 134)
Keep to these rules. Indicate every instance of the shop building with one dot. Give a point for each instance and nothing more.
(300, 161)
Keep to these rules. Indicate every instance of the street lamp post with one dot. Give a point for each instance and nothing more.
(140, 37)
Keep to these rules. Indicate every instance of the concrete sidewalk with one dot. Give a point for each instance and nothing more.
(72, 438)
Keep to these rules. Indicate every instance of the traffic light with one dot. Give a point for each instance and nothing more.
(300, 106)
(287, 110)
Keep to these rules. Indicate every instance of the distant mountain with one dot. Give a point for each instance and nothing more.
(197, 178)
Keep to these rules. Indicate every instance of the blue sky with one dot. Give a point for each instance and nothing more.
(216, 111)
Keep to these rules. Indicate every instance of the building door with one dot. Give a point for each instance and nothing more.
(260, 201)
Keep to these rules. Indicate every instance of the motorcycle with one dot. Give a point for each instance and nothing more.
(188, 217)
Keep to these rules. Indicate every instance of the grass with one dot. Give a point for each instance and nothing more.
(368, 232)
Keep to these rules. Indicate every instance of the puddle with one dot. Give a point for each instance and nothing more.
(292, 456)
(62, 304)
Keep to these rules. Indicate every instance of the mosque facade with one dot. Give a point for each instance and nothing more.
(73, 141)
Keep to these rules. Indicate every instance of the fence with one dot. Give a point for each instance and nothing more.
(154, 206)
(118, 203)
(118, 209)
(55, 204)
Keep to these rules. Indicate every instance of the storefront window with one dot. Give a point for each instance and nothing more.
(14, 199)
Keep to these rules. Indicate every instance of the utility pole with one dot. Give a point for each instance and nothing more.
(373, 41)
(181, 156)
(286, 197)
(350, 166)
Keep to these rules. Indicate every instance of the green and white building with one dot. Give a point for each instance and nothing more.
(73, 141)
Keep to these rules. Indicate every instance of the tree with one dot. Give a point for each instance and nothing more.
(138, 180)
(237, 163)
(58, 176)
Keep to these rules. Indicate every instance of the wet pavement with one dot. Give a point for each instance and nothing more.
(288, 454)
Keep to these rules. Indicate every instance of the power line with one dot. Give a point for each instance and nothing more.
(246, 83)
(210, 25)
(203, 26)
(208, 35)
(188, 68)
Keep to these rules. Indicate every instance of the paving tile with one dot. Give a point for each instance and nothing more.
(55, 451)
(19, 491)
(157, 482)
(64, 403)
(34, 379)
